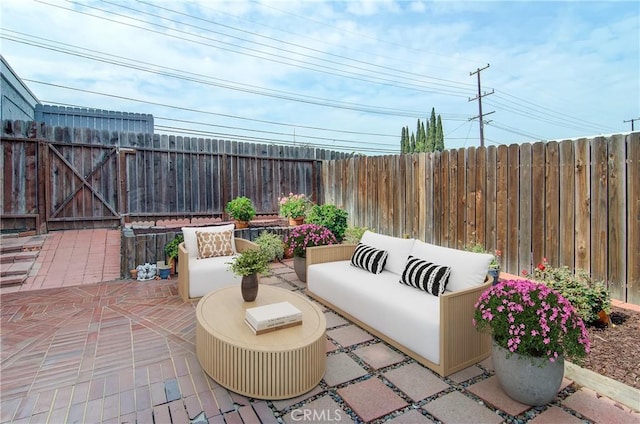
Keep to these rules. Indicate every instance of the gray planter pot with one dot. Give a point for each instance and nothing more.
(300, 267)
(532, 381)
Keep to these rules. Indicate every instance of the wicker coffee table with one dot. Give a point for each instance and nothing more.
(277, 365)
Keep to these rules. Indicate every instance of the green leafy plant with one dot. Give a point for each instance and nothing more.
(352, 235)
(307, 235)
(251, 261)
(587, 296)
(294, 205)
(478, 248)
(241, 208)
(271, 244)
(171, 248)
(531, 319)
(330, 216)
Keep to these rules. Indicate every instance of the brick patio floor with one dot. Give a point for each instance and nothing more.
(124, 352)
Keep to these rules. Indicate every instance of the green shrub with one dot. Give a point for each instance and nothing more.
(252, 261)
(171, 248)
(241, 208)
(271, 244)
(329, 216)
(352, 235)
(586, 296)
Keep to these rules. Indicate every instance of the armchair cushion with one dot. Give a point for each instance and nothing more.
(213, 244)
(191, 241)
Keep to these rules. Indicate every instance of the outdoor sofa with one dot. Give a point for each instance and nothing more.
(204, 257)
(437, 331)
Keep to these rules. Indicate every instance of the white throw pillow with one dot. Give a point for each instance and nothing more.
(191, 241)
(468, 269)
(397, 247)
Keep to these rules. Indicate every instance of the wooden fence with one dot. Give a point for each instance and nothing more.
(59, 178)
(574, 202)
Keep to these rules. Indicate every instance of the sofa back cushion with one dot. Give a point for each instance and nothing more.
(191, 241)
(468, 269)
(398, 249)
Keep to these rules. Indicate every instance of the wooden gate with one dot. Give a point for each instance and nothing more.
(82, 189)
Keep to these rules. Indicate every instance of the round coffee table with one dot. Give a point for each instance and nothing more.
(277, 365)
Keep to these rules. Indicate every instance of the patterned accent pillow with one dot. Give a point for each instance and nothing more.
(369, 258)
(425, 276)
(214, 244)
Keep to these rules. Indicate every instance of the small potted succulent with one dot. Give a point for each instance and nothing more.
(242, 210)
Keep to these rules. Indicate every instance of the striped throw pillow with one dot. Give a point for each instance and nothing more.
(369, 258)
(425, 276)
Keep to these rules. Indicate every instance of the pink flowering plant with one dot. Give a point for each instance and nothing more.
(307, 235)
(294, 205)
(532, 319)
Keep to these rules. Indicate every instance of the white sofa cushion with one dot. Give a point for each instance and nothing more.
(398, 249)
(402, 313)
(369, 258)
(191, 242)
(206, 275)
(468, 269)
(426, 276)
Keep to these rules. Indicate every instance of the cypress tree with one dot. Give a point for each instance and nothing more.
(439, 135)
(413, 143)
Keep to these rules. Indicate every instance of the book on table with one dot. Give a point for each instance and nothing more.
(273, 316)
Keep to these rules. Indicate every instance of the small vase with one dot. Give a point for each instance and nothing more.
(532, 381)
(300, 267)
(249, 287)
(495, 274)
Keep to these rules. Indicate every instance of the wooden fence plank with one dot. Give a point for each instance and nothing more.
(538, 194)
(490, 234)
(425, 202)
(433, 218)
(617, 218)
(567, 211)
(552, 204)
(583, 209)
(513, 210)
(525, 261)
(599, 199)
(502, 206)
(445, 211)
(480, 198)
(633, 218)
(461, 200)
(471, 181)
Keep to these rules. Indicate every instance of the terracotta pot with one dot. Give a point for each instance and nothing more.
(249, 287)
(294, 222)
(134, 274)
(242, 224)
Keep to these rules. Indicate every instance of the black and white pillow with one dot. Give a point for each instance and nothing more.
(369, 258)
(425, 276)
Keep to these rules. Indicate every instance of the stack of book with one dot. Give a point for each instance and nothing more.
(263, 319)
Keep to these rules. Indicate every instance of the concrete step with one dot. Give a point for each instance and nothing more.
(18, 256)
(13, 280)
(16, 268)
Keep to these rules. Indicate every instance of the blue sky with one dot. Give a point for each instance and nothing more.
(337, 75)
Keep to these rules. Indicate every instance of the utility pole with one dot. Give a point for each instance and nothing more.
(631, 120)
(479, 99)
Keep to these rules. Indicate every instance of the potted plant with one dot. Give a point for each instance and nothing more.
(294, 207)
(242, 210)
(301, 237)
(171, 251)
(533, 328)
(271, 244)
(330, 216)
(249, 264)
